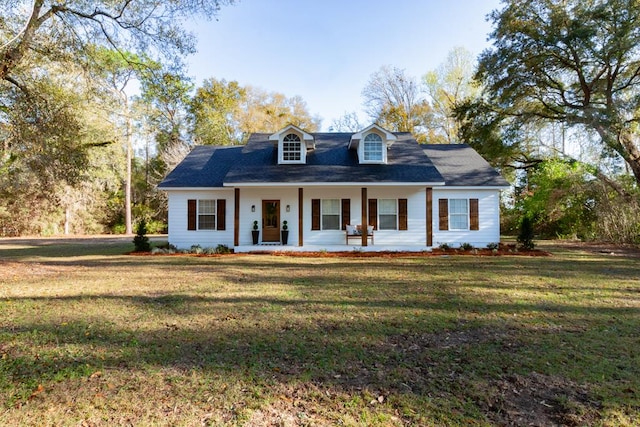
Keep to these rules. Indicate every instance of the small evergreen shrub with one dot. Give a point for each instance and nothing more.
(444, 246)
(525, 237)
(140, 240)
(466, 246)
(222, 249)
(493, 245)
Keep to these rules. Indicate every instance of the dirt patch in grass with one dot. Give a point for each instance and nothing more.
(541, 400)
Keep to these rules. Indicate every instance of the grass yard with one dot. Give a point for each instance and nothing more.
(92, 337)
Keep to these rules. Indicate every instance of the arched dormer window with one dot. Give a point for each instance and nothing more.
(291, 148)
(373, 148)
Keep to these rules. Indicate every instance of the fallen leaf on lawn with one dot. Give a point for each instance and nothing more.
(37, 391)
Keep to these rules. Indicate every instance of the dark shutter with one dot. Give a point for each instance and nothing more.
(474, 222)
(373, 213)
(221, 218)
(443, 213)
(192, 206)
(402, 214)
(346, 213)
(315, 214)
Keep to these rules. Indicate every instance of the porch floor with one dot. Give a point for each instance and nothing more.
(329, 248)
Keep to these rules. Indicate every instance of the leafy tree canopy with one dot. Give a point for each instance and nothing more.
(225, 113)
(62, 28)
(575, 62)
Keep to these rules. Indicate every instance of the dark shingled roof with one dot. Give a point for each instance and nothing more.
(205, 166)
(332, 162)
(461, 165)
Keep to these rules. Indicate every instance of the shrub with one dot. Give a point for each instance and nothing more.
(222, 249)
(466, 246)
(196, 249)
(444, 246)
(525, 237)
(140, 240)
(493, 245)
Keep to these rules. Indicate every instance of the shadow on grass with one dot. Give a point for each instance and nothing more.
(446, 330)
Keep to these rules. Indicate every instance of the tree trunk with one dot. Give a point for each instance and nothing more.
(127, 186)
(12, 56)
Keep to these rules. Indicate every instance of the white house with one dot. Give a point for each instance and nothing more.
(411, 196)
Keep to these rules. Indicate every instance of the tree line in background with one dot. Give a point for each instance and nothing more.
(553, 104)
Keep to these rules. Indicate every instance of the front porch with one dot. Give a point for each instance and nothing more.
(328, 248)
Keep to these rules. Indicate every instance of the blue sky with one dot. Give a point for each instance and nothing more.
(325, 51)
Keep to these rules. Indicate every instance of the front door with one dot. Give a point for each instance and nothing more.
(271, 220)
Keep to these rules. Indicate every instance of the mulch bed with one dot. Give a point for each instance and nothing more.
(503, 250)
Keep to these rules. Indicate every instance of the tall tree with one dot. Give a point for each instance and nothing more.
(395, 101)
(62, 28)
(263, 111)
(114, 71)
(166, 93)
(448, 86)
(574, 62)
(349, 122)
(214, 111)
(224, 113)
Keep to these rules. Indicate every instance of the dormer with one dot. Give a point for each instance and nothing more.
(293, 144)
(372, 144)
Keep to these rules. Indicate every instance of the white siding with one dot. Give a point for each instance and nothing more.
(416, 210)
(253, 197)
(415, 235)
(488, 216)
(182, 238)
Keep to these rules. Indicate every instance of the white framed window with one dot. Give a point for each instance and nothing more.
(387, 214)
(458, 214)
(330, 214)
(373, 148)
(206, 214)
(291, 148)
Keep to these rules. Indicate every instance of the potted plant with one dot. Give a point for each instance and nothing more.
(285, 232)
(255, 232)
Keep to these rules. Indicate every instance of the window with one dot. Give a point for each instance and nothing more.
(291, 148)
(458, 214)
(387, 214)
(206, 214)
(331, 214)
(373, 148)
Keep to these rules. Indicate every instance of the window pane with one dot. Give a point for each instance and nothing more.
(206, 206)
(387, 206)
(291, 147)
(330, 222)
(458, 214)
(458, 206)
(330, 214)
(387, 222)
(373, 150)
(330, 206)
(206, 222)
(373, 147)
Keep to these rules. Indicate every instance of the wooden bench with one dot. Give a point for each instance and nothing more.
(357, 234)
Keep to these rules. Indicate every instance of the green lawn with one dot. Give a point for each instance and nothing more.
(89, 336)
